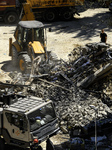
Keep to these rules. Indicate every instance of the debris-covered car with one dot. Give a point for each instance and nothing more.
(26, 121)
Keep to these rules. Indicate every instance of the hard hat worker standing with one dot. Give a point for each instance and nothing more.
(103, 36)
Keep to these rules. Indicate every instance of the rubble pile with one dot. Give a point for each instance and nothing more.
(74, 108)
(94, 62)
(73, 102)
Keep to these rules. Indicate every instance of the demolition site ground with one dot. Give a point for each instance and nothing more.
(80, 80)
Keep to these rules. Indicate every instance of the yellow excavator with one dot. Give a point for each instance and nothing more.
(29, 51)
(29, 45)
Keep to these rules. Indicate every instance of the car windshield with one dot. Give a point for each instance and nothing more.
(30, 35)
(39, 35)
(41, 116)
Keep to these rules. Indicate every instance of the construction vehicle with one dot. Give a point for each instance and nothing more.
(12, 10)
(9, 11)
(25, 121)
(51, 10)
(30, 45)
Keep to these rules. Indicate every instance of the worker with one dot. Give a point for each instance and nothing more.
(103, 36)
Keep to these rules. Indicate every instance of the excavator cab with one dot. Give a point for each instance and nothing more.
(30, 43)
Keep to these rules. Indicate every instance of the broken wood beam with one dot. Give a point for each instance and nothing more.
(54, 84)
(99, 74)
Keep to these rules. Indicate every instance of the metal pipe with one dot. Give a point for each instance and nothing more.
(93, 107)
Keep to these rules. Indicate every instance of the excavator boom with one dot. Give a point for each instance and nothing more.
(28, 14)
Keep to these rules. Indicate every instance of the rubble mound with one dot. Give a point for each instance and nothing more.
(77, 106)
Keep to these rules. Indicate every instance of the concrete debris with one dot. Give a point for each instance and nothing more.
(74, 86)
(99, 74)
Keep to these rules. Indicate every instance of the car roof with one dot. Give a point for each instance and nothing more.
(26, 104)
(31, 24)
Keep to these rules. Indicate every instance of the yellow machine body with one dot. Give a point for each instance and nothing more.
(15, 44)
(29, 44)
(37, 47)
(28, 14)
(53, 3)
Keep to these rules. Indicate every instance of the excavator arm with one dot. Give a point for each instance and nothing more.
(27, 13)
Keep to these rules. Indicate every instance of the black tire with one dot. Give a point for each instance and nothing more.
(24, 62)
(11, 17)
(66, 14)
(2, 144)
(14, 56)
(50, 15)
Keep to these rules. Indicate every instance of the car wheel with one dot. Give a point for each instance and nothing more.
(11, 17)
(24, 62)
(50, 15)
(66, 14)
